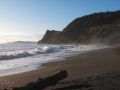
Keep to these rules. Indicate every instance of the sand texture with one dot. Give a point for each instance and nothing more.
(94, 70)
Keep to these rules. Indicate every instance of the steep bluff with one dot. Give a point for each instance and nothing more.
(103, 27)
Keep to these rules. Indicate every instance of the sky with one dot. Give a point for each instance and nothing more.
(28, 20)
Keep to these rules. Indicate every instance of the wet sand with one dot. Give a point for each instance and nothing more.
(90, 67)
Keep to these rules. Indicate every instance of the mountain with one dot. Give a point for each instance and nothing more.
(103, 27)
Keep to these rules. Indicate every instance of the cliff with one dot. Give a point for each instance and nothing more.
(103, 27)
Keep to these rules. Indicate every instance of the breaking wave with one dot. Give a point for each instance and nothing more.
(31, 52)
(44, 50)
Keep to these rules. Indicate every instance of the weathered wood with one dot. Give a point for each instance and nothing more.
(43, 83)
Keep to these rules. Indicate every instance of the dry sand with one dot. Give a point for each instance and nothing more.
(95, 70)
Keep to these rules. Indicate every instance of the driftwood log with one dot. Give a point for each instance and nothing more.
(43, 83)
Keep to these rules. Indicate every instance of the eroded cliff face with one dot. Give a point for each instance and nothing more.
(48, 37)
(94, 28)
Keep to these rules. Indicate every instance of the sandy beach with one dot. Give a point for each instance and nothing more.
(98, 70)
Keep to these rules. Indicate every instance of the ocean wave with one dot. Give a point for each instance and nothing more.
(45, 50)
(31, 52)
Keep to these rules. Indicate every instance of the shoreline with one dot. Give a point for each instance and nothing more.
(96, 62)
(23, 69)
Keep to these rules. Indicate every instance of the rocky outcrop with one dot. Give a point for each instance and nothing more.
(49, 36)
(103, 27)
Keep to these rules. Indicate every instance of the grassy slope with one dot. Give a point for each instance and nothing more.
(93, 28)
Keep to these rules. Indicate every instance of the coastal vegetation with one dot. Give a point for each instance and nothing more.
(102, 27)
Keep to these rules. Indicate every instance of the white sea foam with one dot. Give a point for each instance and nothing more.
(15, 55)
(27, 53)
(36, 51)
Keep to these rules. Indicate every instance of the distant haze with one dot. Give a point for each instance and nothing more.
(11, 37)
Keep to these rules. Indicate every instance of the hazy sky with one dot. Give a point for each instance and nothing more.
(29, 19)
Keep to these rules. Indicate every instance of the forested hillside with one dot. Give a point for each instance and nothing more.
(103, 27)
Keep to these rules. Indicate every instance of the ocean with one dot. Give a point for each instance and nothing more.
(20, 57)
